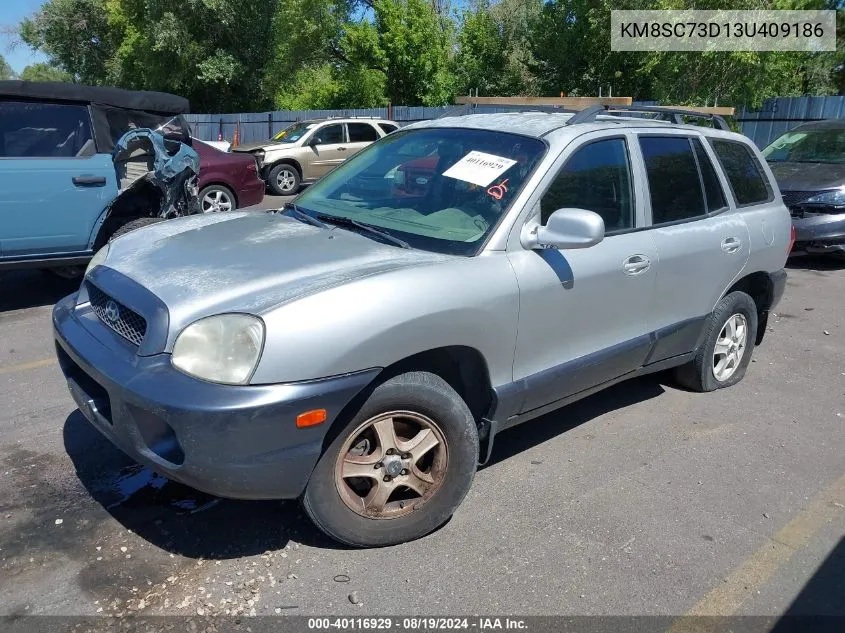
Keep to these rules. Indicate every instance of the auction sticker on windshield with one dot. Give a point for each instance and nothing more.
(479, 168)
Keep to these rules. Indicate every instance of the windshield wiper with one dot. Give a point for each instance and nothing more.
(304, 217)
(343, 221)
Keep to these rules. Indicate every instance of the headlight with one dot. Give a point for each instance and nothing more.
(259, 157)
(223, 348)
(99, 258)
(834, 198)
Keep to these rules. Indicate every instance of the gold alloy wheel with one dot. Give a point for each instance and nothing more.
(391, 464)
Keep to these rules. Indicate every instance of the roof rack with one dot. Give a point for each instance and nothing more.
(674, 115)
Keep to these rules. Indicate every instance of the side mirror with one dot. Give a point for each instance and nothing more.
(315, 140)
(566, 228)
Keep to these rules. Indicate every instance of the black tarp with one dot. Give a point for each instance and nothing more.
(157, 102)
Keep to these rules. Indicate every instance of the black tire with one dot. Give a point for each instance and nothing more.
(418, 392)
(699, 374)
(292, 175)
(225, 193)
(131, 225)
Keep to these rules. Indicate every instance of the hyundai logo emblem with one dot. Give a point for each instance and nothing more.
(112, 311)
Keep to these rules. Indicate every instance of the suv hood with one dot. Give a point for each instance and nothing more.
(248, 262)
(794, 176)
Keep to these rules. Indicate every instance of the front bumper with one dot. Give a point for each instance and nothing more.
(819, 232)
(232, 441)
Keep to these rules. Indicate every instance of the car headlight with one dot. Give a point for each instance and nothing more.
(259, 157)
(835, 198)
(223, 348)
(99, 258)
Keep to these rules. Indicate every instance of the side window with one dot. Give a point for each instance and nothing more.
(361, 132)
(596, 177)
(387, 128)
(44, 130)
(743, 171)
(330, 134)
(672, 178)
(712, 189)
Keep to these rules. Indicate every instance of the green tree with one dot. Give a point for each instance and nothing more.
(44, 72)
(413, 49)
(211, 51)
(6, 71)
(75, 36)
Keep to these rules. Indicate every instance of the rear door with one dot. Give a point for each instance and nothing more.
(360, 135)
(702, 242)
(53, 184)
(328, 151)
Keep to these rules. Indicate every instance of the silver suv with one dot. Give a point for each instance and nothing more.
(308, 150)
(362, 349)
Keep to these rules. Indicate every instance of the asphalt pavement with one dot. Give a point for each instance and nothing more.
(643, 499)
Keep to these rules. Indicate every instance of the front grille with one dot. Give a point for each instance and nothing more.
(791, 198)
(129, 324)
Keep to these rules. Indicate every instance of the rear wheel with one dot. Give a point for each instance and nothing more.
(724, 355)
(284, 180)
(399, 468)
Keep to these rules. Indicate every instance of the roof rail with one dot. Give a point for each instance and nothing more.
(485, 108)
(675, 115)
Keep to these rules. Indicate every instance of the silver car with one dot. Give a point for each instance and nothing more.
(362, 348)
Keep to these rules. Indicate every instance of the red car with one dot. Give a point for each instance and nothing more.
(227, 181)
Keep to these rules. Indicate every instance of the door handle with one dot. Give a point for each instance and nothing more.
(341, 149)
(636, 265)
(731, 245)
(89, 181)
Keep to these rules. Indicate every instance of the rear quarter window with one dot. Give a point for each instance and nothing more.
(44, 130)
(745, 175)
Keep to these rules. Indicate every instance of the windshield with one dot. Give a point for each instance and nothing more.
(808, 146)
(438, 189)
(293, 133)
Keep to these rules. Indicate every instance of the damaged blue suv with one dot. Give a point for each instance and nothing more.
(81, 164)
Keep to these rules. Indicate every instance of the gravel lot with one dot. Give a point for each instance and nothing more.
(643, 499)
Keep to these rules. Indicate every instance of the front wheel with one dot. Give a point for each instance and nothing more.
(724, 355)
(399, 468)
(284, 180)
(216, 199)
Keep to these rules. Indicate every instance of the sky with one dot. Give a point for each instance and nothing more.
(11, 13)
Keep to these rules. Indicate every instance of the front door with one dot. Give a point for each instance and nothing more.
(328, 150)
(583, 316)
(53, 186)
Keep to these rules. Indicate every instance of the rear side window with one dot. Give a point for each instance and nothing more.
(743, 171)
(387, 128)
(715, 197)
(44, 130)
(596, 177)
(361, 132)
(673, 179)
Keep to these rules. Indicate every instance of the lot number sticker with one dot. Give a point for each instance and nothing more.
(479, 168)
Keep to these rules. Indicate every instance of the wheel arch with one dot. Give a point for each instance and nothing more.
(464, 368)
(759, 286)
(220, 183)
(283, 161)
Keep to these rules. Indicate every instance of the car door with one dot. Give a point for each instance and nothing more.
(360, 136)
(328, 149)
(701, 242)
(53, 186)
(583, 317)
